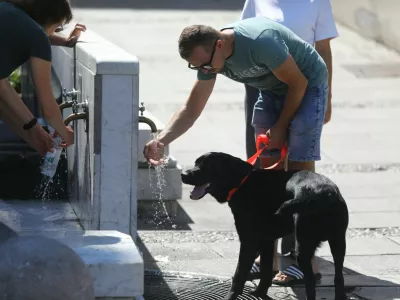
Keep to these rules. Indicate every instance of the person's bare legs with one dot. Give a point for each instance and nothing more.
(296, 165)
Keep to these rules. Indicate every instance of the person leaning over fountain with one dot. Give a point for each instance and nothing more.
(25, 27)
(291, 75)
(312, 21)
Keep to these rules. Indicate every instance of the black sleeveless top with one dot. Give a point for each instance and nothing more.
(20, 39)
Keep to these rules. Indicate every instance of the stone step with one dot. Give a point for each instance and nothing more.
(112, 257)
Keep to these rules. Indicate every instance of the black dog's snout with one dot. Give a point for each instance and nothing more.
(185, 175)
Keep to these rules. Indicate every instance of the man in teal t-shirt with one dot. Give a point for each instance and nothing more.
(290, 74)
(262, 45)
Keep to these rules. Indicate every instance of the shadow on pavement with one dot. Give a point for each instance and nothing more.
(358, 286)
(162, 4)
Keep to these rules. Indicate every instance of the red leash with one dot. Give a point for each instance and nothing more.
(261, 139)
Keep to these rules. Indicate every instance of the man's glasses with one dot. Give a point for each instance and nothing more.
(207, 66)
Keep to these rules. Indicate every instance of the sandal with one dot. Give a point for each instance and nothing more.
(255, 272)
(294, 276)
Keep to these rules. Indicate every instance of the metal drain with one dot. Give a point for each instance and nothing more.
(170, 286)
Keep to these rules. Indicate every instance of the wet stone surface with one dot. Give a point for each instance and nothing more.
(220, 236)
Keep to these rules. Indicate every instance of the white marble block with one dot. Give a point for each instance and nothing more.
(113, 259)
(102, 164)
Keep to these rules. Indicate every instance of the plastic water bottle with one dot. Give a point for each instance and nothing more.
(50, 163)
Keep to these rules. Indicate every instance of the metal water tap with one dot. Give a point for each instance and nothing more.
(142, 108)
(71, 94)
(143, 119)
(69, 103)
(84, 105)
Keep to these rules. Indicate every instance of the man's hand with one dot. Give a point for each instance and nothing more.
(328, 113)
(154, 152)
(40, 140)
(75, 34)
(69, 139)
(277, 137)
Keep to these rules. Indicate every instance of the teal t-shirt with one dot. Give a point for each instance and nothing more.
(262, 45)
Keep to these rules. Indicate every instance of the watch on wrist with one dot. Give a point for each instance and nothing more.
(30, 124)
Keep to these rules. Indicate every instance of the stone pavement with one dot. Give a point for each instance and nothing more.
(360, 150)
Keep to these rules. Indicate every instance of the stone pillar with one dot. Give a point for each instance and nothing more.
(103, 162)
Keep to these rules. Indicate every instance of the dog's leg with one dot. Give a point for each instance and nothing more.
(247, 255)
(306, 250)
(338, 250)
(267, 258)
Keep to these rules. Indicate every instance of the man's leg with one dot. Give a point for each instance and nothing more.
(249, 102)
(304, 147)
(264, 117)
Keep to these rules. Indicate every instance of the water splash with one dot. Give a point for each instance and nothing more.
(45, 192)
(44, 189)
(160, 217)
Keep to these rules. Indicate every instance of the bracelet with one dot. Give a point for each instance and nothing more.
(30, 124)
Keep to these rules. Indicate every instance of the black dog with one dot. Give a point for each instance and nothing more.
(267, 205)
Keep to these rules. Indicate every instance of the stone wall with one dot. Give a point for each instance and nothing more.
(375, 19)
(102, 165)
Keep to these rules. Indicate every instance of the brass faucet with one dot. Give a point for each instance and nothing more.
(65, 105)
(76, 116)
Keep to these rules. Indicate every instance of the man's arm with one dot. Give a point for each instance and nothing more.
(323, 47)
(188, 114)
(289, 73)
(271, 50)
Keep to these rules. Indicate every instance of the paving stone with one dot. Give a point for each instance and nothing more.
(374, 220)
(166, 252)
(364, 280)
(396, 240)
(364, 246)
(377, 293)
(214, 267)
(374, 265)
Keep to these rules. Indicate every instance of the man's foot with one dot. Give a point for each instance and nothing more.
(292, 276)
(255, 272)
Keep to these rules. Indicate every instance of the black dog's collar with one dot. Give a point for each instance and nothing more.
(232, 191)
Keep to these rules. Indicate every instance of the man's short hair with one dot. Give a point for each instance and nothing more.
(46, 12)
(194, 36)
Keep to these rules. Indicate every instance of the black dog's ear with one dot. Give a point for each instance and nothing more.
(204, 157)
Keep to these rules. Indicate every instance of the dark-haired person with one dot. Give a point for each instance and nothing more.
(25, 27)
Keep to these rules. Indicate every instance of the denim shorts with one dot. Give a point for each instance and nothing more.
(304, 132)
